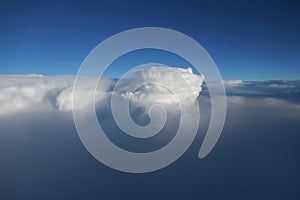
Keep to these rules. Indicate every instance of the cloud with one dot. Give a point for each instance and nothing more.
(32, 92)
(39, 93)
(277, 89)
(41, 153)
(157, 96)
(286, 90)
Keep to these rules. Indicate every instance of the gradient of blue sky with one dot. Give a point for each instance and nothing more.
(246, 39)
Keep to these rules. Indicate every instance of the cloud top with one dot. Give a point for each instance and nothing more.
(162, 85)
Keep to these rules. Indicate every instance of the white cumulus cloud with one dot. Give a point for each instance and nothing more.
(22, 93)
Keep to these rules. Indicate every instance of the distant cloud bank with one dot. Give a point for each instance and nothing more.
(21, 93)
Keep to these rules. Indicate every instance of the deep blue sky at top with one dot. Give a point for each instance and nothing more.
(246, 39)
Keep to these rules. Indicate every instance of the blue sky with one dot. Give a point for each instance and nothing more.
(247, 39)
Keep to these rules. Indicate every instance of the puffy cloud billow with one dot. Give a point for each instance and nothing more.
(164, 85)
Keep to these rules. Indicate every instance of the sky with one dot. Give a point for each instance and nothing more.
(42, 155)
(249, 40)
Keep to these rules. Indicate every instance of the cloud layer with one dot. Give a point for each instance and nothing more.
(148, 86)
(42, 156)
